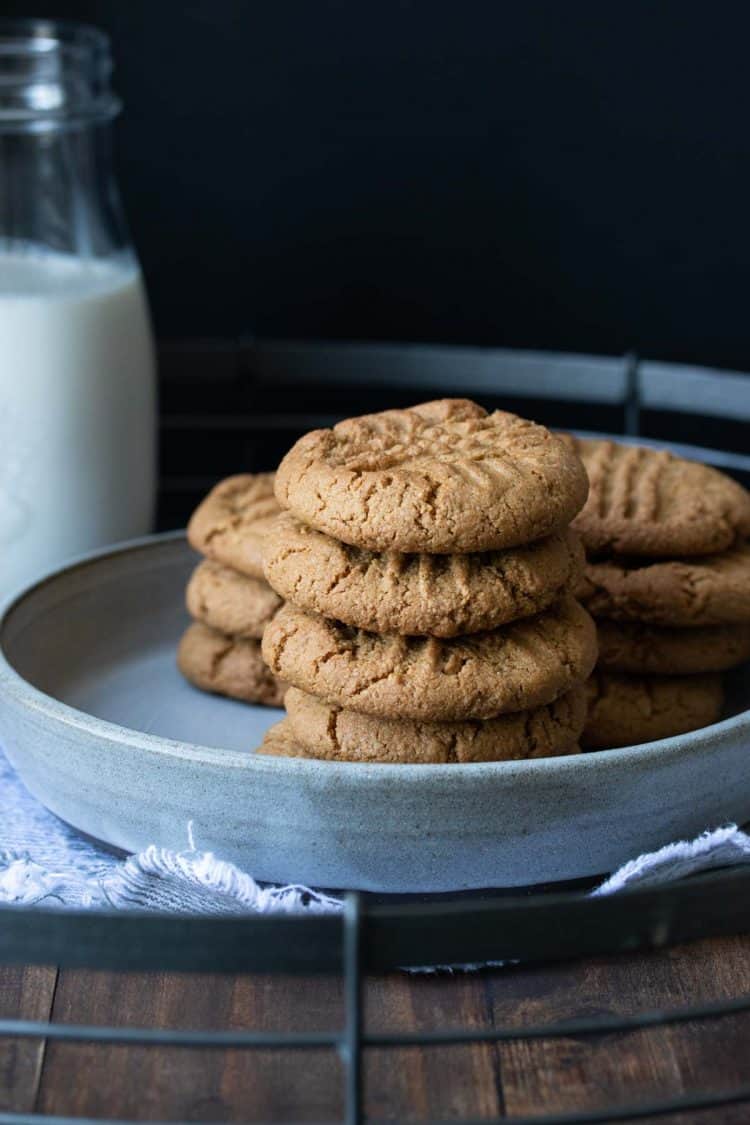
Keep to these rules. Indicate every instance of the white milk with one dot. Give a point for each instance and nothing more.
(77, 410)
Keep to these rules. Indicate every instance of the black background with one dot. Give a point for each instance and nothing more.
(557, 175)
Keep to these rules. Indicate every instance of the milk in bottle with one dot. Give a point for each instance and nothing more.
(76, 409)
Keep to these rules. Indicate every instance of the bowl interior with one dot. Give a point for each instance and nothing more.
(102, 638)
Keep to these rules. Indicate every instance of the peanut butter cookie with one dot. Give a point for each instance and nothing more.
(228, 526)
(324, 730)
(229, 601)
(442, 478)
(645, 501)
(227, 666)
(705, 590)
(524, 665)
(625, 710)
(628, 646)
(435, 595)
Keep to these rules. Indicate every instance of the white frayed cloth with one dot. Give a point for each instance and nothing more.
(722, 847)
(44, 862)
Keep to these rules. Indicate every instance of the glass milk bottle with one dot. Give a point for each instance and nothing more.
(77, 383)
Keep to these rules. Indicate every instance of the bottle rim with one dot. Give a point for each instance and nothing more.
(54, 74)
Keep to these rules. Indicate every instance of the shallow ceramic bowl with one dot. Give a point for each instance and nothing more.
(104, 731)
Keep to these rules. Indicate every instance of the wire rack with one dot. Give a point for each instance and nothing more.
(240, 393)
(376, 937)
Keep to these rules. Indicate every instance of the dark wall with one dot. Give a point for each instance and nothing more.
(562, 175)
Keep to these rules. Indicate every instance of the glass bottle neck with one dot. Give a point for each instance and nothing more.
(53, 75)
(57, 190)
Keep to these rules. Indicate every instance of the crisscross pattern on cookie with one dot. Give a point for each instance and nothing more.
(440, 478)
(648, 502)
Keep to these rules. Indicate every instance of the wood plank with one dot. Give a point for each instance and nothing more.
(199, 1085)
(576, 1074)
(25, 993)
(437, 1081)
(278, 1086)
(412, 1084)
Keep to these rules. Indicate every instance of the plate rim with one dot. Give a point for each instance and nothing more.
(27, 696)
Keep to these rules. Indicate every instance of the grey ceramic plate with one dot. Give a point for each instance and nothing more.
(104, 731)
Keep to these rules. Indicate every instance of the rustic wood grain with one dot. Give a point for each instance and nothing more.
(25, 993)
(576, 1074)
(404, 1085)
(267, 1085)
(194, 1085)
(421, 1083)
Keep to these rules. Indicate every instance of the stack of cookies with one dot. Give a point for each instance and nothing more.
(426, 564)
(227, 596)
(668, 580)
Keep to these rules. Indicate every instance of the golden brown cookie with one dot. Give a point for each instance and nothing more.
(229, 524)
(526, 664)
(325, 730)
(435, 595)
(229, 601)
(625, 710)
(280, 741)
(644, 501)
(228, 666)
(708, 590)
(443, 478)
(628, 646)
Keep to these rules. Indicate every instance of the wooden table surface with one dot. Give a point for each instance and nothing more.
(570, 1074)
